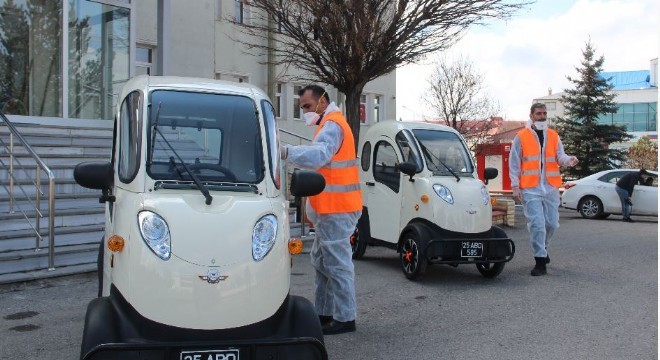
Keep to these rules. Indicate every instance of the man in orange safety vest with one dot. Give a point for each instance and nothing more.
(534, 160)
(335, 211)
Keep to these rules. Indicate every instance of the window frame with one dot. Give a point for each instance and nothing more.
(134, 141)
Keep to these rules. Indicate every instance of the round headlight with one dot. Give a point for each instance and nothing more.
(264, 235)
(443, 193)
(155, 233)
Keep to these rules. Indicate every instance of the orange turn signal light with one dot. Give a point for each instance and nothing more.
(116, 243)
(295, 246)
(425, 199)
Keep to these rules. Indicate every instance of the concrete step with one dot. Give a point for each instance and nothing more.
(51, 140)
(56, 151)
(60, 131)
(72, 235)
(18, 277)
(63, 218)
(30, 172)
(62, 201)
(30, 260)
(26, 187)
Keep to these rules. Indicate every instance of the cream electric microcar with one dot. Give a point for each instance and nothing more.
(422, 197)
(196, 258)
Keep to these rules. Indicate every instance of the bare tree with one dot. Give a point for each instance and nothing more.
(348, 43)
(457, 95)
(643, 155)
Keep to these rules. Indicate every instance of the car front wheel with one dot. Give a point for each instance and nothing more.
(590, 207)
(490, 270)
(413, 255)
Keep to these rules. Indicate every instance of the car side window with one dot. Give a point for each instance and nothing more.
(385, 169)
(651, 180)
(365, 158)
(128, 162)
(612, 177)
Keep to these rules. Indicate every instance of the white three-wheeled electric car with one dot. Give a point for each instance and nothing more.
(196, 258)
(422, 197)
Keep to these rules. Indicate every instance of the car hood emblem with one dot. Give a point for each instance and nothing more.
(471, 211)
(213, 276)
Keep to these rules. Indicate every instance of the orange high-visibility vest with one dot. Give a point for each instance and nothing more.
(342, 184)
(530, 171)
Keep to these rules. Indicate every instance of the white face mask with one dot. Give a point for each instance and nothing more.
(541, 125)
(311, 118)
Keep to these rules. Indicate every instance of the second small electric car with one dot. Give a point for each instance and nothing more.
(422, 197)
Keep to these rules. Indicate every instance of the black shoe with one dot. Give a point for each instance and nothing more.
(628, 220)
(547, 259)
(539, 269)
(338, 327)
(324, 319)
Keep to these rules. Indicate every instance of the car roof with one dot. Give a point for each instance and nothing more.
(390, 128)
(601, 173)
(191, 83)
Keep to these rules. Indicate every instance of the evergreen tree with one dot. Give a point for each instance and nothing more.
(580, 131)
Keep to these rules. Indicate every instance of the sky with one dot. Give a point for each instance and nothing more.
(536, 49)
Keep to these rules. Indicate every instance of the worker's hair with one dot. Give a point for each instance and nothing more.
(316, 90)
(536, 106)
(643, 172)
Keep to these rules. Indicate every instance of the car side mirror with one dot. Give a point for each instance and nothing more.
(490, 174)
(95, 175)
(409, 169)
(306, 183)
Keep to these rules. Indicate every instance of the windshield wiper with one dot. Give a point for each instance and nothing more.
(428, 152)
(199, 184)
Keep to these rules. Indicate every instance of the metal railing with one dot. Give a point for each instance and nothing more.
(33, 203)
(300, 139)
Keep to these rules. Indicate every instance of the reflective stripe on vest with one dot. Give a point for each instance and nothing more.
(342, 183)
(531, 159)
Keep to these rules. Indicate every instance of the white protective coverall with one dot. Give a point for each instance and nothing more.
(331, 250)
(540, 203)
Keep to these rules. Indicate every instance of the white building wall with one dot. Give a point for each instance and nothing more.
(204, 44)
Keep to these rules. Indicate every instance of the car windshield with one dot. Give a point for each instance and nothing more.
(444, 147)
(216, 135)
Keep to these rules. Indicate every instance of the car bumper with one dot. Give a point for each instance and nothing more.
(450, 251)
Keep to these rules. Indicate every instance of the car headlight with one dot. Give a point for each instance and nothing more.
(484, 195)
(264, 236)
(155, 233)
(443, 193)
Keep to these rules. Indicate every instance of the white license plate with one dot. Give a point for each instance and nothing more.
(231, 354)
(472, 249)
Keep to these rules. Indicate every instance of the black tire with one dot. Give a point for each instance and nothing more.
(413, 254)
(100, 328)
(490, 270)
(360, 238)
(590, 207)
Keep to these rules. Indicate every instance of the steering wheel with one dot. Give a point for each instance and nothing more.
(215, 167)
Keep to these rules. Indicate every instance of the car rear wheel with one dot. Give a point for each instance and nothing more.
(490, 270)
(360, 238)
(590, 207)
(413, 255)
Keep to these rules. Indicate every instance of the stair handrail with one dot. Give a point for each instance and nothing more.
(41, 165)
(302, 201)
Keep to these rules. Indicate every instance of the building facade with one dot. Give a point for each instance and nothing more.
(65, 61)
(636, 93)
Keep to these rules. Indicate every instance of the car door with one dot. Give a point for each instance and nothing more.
(605, 191)
(384, 196)
(645, 197)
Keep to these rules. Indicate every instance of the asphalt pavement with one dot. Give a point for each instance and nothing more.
(598, 301)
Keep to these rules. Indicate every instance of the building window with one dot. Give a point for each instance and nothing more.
(377, 108)
(233, 77)
(242, 11)
(143, 60)
(296, 102)
(363, 109)
(551, 106)
(99, 37)
(278, 100)
(635, 117)
(30, 58)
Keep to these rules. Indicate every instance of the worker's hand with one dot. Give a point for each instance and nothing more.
(517, 195)
(284, 152)
(629, 202)
(572, 161)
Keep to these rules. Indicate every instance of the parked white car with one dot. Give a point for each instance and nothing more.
(594, 196)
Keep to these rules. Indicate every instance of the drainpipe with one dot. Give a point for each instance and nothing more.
(164, 26)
